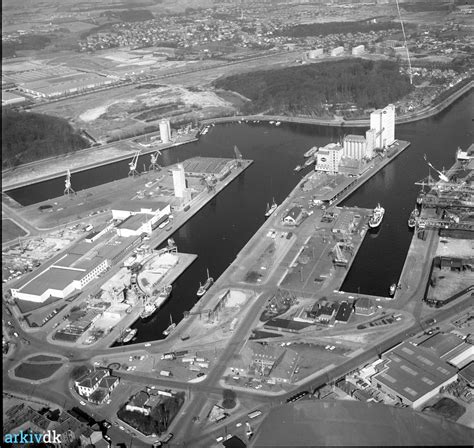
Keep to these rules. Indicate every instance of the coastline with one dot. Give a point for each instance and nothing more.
(362, 122)
(42, 170)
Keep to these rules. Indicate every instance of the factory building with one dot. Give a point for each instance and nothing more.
(68, 274)
(10, 99)
(356, 51)
(165, 131)
(383, 122)
(67, 85)
(317, 53)
(328, 158)
(338, 51)
(413, 374)
(127, 208)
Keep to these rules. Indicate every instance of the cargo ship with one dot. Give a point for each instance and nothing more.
(271, 209)
(377, 216)
(203, 288)
(412, 219)
(170, 328)
(151, 307)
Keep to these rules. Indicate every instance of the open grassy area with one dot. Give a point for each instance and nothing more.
(10, 230)
(36, 371)
(44, 359)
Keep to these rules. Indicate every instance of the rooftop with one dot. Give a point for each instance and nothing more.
(442, 343)
(134, 222)
(52, 278)
(311, 423)
(136, 206)
(413, 371)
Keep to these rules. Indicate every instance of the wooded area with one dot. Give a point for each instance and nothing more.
(28, 136)
(306, 89)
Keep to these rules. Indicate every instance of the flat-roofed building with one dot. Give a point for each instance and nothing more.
(413, 374)
(10, 99)
(137, 224)
(328, 158)
(126, 208)
(383, 122)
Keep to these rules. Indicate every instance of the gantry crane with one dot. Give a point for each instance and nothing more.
(133, 164)
(68, 188)
(153, 161)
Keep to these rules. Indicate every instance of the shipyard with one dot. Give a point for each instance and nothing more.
(235, 225)
(281, 298)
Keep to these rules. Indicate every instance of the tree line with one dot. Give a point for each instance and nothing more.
(324, 29)
(28, 136)
(309, 89)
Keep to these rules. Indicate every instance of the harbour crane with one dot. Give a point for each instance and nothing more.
(442, 176)
(68, 189)
(133, 164)
(153, 161)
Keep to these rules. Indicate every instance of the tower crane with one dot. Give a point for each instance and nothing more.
(68, 189)
(442, 176)
(153, 161)
(133, 164)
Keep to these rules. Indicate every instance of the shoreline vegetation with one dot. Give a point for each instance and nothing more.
(345, 86)
(68, 134)
(29, 136)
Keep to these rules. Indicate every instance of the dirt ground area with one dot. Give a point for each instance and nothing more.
(446, 283)
(133, 108)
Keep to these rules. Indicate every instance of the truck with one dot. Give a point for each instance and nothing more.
(88, 228)
(192, 359)
(204, 365)
(170, 355)
(166, 373)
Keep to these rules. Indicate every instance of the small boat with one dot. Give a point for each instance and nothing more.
(278, 123)
(272, 122)
(148, 310)
(310, 151)
(170, 328)
(271, 209)
(310, 161)
(203, 288)
(393, 288)
(298, 168)
(377, 216)
(412, 219)
(128, 335)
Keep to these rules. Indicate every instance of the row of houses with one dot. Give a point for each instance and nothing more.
(70, 428)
